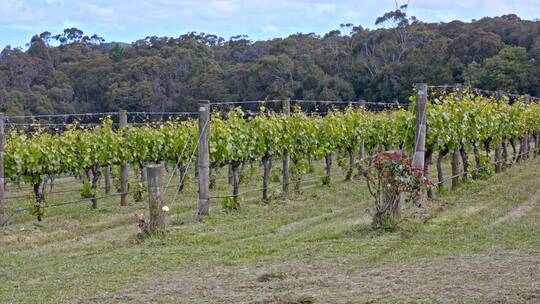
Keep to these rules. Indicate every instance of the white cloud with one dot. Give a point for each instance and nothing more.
(129, 20)
(224, 6)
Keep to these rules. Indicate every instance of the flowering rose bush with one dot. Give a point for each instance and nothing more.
(390, 175)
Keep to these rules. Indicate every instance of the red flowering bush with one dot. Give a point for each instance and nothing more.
(390, 175)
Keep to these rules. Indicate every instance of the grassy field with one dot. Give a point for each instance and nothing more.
(481, 246)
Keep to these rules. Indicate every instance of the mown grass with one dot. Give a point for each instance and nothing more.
(77, 252)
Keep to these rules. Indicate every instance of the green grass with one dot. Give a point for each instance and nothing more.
(76, 252)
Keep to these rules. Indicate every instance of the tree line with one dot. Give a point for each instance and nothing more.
(74, 72)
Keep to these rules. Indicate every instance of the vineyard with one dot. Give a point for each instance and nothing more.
(285, 187)
(458, 121)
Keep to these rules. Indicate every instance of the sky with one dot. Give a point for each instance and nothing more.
(127, 21)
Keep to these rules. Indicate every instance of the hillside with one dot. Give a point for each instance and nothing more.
(72, 72)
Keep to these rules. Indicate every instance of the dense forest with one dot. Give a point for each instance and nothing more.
(74, 72)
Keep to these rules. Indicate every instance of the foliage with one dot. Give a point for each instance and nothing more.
(87, 191)
(390, 175)
(454, 119)
(511, 70)
(229, 204)
(84, 73)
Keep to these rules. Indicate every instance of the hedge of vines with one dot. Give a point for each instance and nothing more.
(459, 121)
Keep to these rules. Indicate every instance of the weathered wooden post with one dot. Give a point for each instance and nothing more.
(462, 148)
(203, 163)
(420, 133)
(155, 198)
(124, 186)
(286, 157)
(2, 202)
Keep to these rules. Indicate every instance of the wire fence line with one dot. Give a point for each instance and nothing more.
(243, 102)
(185, 172)
(74, 202)
(9, 118)
(253, 190)
(53, 182)
(70, 115)
(501, 161)
(273, 186)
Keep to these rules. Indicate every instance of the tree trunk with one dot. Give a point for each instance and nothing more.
(522, 148)
(388, 210)
(504, 151)
(328, 168)
(440, 177)
(427, 162)
(182, 177)
(142, 174)
(107, 174)
(465, 160)
(528, 153)
(514, 151)
(230, 175)
(351, 164)
(95, 178)
(236, 179)
(487, 148)
(298, 181)
(498, 164)
(476, 153)
(266, 174)
(361, 156)
(455, 169)
(39, 197)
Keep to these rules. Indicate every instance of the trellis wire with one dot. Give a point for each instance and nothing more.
(272, 187)
(477, 169)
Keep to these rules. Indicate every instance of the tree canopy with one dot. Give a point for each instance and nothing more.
(74, 72)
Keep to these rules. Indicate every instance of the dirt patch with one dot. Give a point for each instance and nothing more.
(494, 278)
(521, 210)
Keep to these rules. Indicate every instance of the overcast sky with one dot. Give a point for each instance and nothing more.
(130, 20)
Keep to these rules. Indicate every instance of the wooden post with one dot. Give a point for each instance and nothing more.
(2, 202)
(203, 163)
(286, 157)
(124, 186)
(420, 134)
(107, 179)
(155, 197)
